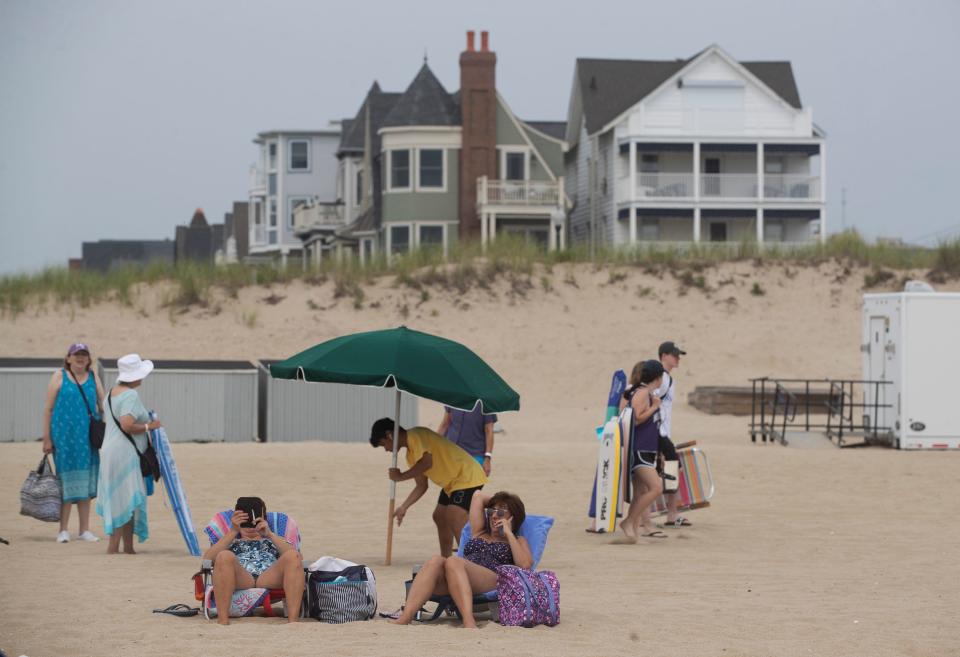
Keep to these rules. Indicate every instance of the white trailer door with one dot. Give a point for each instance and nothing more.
(877, 344)
(932, 361)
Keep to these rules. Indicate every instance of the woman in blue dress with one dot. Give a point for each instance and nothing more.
(73, 390)
(123, 491)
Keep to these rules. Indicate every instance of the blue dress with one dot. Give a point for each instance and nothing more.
(77, 464)
(123, 491)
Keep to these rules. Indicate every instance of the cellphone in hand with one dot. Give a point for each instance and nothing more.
(491, 514)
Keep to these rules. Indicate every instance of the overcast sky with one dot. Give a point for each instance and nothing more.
(118, 119)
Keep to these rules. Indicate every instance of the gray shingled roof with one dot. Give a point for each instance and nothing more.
(380, 104)
(609, 87)
(425, 102)
(555, 129)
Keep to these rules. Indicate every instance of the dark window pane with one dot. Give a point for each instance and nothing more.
(399, 239)
(272, 184)
(431, 168)
(515, 166)
(400, 169)
(299, 160)
(359, 186)
(431, 236)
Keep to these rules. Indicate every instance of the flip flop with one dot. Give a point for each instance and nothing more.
(679, 522)
(393, 615)
(181, 610)
(654, 534)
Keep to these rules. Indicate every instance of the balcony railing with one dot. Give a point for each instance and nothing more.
(665, 185)
(317, 217)
(791, 186)
(728, 185)
(518, 192)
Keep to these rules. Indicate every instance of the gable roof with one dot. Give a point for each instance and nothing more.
(609, 87)
(425, 102)
(555, 129)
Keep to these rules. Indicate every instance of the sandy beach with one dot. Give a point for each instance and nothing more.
(803, 552)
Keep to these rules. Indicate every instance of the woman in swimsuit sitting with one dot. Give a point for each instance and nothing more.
(476, 571)
(251, 556)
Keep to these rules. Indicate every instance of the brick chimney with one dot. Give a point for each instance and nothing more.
(478, 106)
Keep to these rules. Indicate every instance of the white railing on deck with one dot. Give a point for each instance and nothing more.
(665, 185)
(728, 185)
(518, 192)
(791, 186)
(317, 216)
(258, 181)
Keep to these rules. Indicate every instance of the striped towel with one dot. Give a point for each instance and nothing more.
(280, 524)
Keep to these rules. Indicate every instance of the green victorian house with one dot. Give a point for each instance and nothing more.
(425, 168)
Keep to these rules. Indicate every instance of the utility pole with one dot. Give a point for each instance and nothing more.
(843, 208)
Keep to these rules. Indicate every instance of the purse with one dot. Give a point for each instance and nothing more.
(97, 427)
(41, 495)
(149, 463)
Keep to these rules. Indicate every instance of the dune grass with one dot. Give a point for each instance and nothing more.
(467, 266)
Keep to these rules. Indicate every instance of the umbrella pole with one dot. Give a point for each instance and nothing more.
(393, 484)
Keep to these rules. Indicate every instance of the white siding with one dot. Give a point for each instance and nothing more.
(580, 217)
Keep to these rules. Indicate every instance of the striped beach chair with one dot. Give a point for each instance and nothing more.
(245, 601)
(696, 487)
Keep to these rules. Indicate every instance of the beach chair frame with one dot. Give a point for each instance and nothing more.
(696, 486)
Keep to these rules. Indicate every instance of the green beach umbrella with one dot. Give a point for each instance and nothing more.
(418, 363)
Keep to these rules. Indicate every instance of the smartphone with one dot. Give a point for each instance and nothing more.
(253, 507)
(491, 514)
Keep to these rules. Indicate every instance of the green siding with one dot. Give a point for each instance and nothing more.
(551, 151)
(427, 206)
(537, 170)
(507, 133)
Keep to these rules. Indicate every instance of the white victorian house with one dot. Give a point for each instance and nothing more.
(295, 169)
(702, 149)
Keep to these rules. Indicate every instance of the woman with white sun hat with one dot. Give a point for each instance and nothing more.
(122, 490)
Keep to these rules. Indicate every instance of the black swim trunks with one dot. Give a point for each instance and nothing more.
(459, 498)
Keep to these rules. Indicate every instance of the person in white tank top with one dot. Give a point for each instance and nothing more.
(669, 354)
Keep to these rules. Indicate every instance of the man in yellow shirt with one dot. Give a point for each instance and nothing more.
(431, 456)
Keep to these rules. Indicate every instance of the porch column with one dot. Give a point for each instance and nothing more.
(632, 193)
(632, 218)
(760, 171)
(483, 230)
(552, 235)
(823, 223)
(696, 170)
(823, 176)
(492, 226)
(563, 237)
(760, 226)
(696, 224)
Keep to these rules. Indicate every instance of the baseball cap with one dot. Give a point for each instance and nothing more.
(77, 346)
(672, 348)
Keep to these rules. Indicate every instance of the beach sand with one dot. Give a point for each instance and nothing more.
(803, 551)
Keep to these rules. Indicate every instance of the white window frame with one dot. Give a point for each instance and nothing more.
(443, 171)
(525, 151)
(411, 232)
(290, 202)
(432, 224)
(290, 143)
(411, 169)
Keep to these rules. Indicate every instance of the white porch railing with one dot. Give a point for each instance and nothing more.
(259, 234)
(518, 192)
(317, 216)
(665, 185)
(791, 186)
(728, 185)
(258, 182)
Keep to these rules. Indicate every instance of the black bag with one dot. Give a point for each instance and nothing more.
(97, 427)
(343, 596)
(149, 463)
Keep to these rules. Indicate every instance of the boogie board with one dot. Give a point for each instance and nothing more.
(617, 385)
(608, 477)
(175, 492)
(625, 425)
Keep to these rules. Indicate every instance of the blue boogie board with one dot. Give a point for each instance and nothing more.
(617, 387)
(175, 492)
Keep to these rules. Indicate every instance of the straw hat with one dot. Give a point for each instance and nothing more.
(133, 368)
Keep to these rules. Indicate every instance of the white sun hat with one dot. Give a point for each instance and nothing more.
(133, 368)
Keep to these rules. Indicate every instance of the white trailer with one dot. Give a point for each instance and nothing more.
(911, 340)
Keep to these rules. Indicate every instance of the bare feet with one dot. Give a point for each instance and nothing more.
(628, 531)
(398, 621)
(129, 551)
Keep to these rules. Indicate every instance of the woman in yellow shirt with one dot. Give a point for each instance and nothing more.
(432, 457)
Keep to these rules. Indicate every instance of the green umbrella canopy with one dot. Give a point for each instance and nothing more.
(421, 364)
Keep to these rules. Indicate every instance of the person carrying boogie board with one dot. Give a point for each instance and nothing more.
(645, 379)
(669, 354)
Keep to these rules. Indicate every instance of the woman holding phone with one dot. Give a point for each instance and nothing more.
(490, 547)
(251, 556)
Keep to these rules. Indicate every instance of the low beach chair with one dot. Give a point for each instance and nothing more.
(534, 528)
(245, 601)
(696, 487)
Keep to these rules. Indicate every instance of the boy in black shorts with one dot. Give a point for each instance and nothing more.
(431, 456)
(669, 354)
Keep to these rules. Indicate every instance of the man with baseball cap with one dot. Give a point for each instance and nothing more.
(669, 353)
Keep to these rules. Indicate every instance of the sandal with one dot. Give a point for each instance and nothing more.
(679, 522)
(654, 534)
(181, 610)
